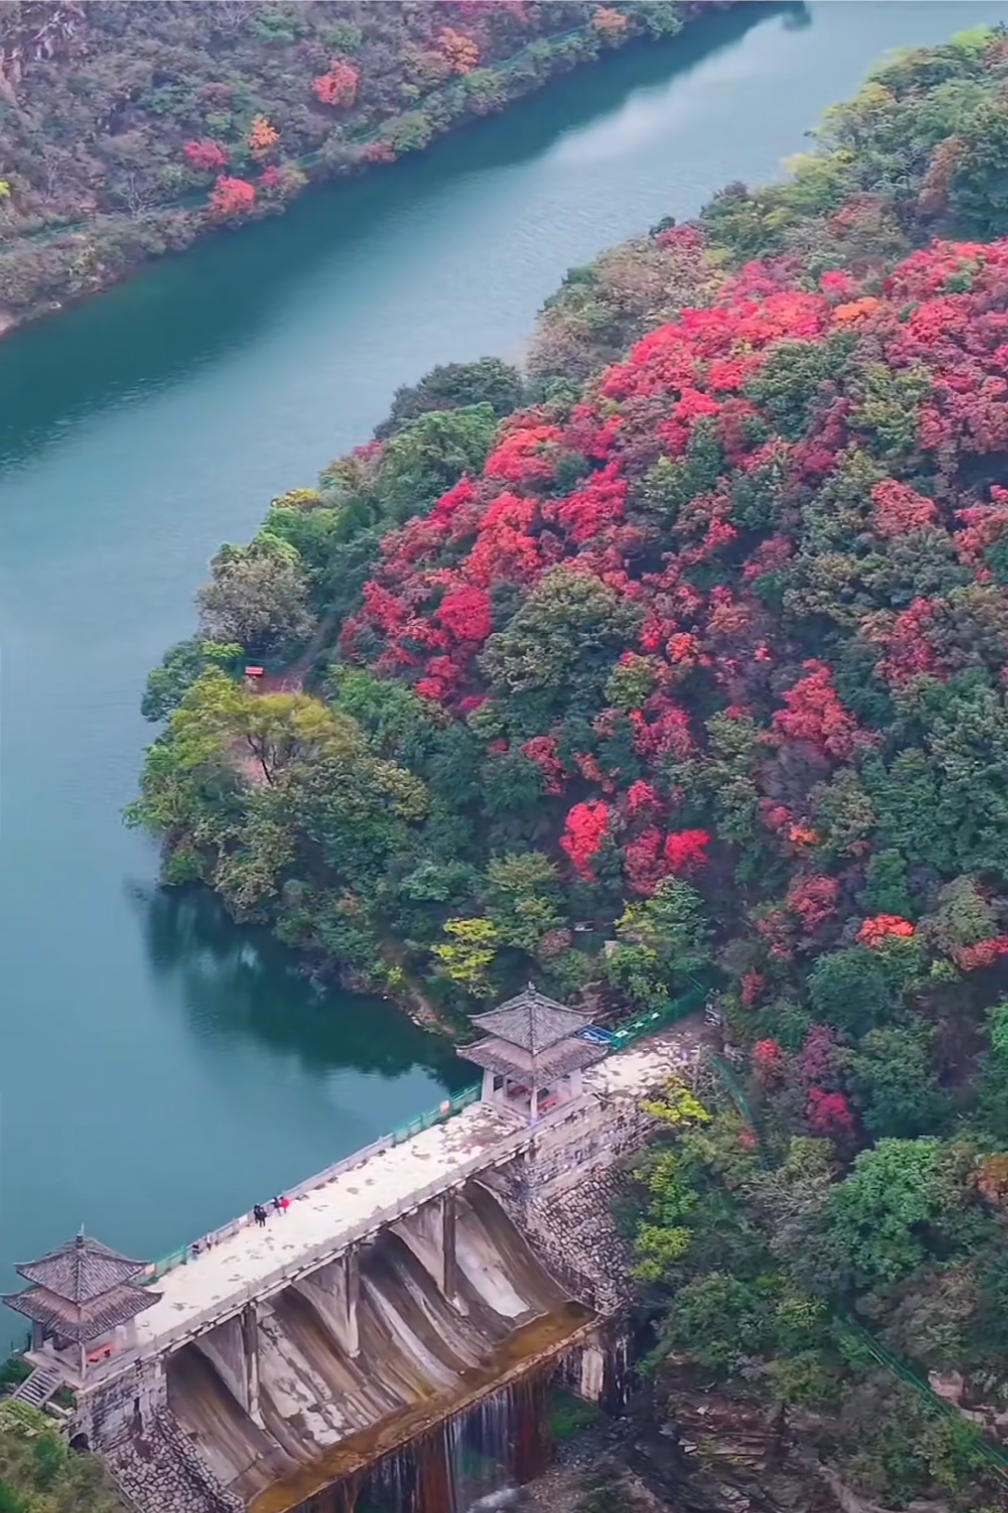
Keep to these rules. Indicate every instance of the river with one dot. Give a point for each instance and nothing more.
(162, 1069)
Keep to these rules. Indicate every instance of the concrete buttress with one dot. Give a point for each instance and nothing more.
(334, 1293)
(233, 1351)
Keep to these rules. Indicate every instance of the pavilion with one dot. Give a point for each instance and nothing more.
(82, 1300)
(533, 1052)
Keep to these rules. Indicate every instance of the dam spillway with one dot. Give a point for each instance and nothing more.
(422, 1355)
(390, 1330)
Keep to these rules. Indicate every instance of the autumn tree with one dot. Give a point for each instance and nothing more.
(231, 198)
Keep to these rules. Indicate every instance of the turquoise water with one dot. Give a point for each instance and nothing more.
(162, 1068)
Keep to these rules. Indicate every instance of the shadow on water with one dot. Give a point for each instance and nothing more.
(185, 311)
(238, 983)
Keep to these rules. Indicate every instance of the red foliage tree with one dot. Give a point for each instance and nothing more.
(339, 86)
(814, 714)
(641, 798)
(883, 927)
(812, 899)
(231, 198)
(984, 953)
(205, 157)
(829, 1114)
(821, 1058)
(751, 988)
(769, 1062)
(587, 827)
(542, 750)
(899, 509)
(465, 613)
(685, 850)
(643, 862)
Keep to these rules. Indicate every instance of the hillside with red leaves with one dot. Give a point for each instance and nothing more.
(682, 660)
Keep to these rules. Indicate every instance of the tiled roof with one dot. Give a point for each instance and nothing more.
(81, 1270)
(498, 1055)
(531, 1021)
(82, 1321)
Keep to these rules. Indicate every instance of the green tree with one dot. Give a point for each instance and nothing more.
(978, 186)
(851, 990)
(662, 943)
(523, 898)
(258, 597)
(555, 655)
(468, 953)
(886, 890)
(453, 386)
(894, 1083)
(882, 1215)
(180, 667)
(422, 461)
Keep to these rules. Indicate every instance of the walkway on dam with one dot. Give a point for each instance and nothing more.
(361, 1198)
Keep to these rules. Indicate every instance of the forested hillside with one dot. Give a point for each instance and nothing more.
(700, 638)
(126, 129)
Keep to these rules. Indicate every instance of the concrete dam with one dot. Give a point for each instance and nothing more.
(334, 1395)
(382, 1346)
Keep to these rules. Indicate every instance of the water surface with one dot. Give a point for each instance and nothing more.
(163, 1069)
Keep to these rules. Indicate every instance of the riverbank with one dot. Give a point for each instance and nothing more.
(634, 660)
(70, 229)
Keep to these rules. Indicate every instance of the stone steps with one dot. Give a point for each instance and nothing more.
(37, 1389)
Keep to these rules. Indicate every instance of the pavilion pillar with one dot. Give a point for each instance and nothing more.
(250, 1343)
(576, 1085)
(534, 1105)
(487, 1094)
(82, 1348)
(449, 1272)
(37, 1335)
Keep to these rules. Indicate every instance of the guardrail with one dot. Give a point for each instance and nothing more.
(444, 1110)
(335, 1245)
(628, 1034)
(327, 1250)
(655, 1019)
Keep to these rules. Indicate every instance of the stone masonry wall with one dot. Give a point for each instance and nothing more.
(561, 1194)
(160, 1472)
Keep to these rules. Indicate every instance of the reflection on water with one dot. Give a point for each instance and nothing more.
(237, 983)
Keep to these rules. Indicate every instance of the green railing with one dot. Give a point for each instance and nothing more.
(633, 1030)
(445, 1110)
(453, 1105)
(863, 1339)
(655, 1019)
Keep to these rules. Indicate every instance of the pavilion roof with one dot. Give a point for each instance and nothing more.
(80, 1270)
(82, 1321)
(498, 1055)
(531, 1022)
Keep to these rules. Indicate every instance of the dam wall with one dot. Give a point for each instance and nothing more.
(391, 1305)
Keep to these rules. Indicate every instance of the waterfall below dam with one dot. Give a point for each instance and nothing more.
(440, 1402)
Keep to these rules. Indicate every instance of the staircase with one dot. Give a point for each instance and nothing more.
(38, 1388)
